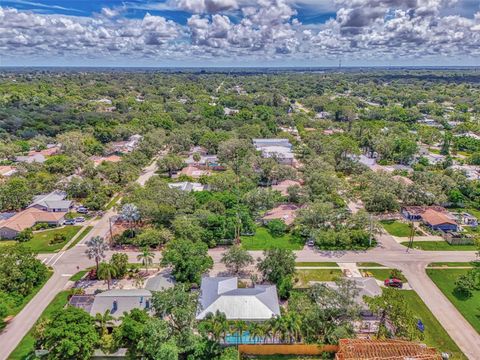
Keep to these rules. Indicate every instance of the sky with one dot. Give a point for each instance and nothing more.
(208, 33)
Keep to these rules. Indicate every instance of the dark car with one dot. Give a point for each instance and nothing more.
(396, 283)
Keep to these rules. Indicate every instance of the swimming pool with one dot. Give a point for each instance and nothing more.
(244, 338)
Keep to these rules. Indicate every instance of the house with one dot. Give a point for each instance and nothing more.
(194, 172)
(468, 219)
(414, 213)
(52, 202)
(7, 171)
(285, 212)
(389, 349)
(97, 160)
(368, 323)
(281, 149)
(470, 171)
(11, 227)
(187, 186)
(469, 134)
(30, 159)
(437, 220)
(117, 301)
(283, 186)
(227, 111)
(259, 303)
(50, 150)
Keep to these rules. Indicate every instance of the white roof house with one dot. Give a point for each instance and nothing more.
(262, 143)
(187, 186)
(249, 304)
(54, 201)
(277, 148)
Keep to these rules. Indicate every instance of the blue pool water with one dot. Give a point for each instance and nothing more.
(242, 339)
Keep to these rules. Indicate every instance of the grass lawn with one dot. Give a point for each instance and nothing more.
(81, 236)
(435, 334)
(280, 357)
(7, 242)
(439, 246)
(27, 299)
(382, 274)
(318, 264)
(396, 228)
(445, 281)
(451, 264)
(79, 275)
(26, 345)
(41, 240)
(304, 276)
(112, 202)
(369, 264)
(262, 240)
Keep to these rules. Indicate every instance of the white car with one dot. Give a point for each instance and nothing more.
(79, 219)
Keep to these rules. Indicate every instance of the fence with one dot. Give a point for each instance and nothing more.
(285, 349)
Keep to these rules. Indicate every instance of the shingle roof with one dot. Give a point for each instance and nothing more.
(434, 217)
(285, 212)
(127, 300)
(222, 294)
(53, 200)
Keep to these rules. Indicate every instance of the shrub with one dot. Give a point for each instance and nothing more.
(57, 239)
(25, 235)
(40, 226)
(276, 227)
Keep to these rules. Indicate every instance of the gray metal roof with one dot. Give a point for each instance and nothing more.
(160, 281)
(127, 300)
(222, 294)
(367, 286)
(53, 200)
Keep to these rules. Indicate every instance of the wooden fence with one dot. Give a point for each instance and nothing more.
(285, 349)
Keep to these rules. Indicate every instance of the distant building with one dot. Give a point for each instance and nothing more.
(285, 212)
(281, 149)
(7, 171)
(52, 202)
(470, 135)
(227, 111)
(30, 159)
(435, 217)
(193, 172)
(187, 186)
(97, 160)
(248, 304)
(118, 302)
(125, 147)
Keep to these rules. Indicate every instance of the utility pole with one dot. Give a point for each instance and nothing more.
(412, 235)
(371, 230)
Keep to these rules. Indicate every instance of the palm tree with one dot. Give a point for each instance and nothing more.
(146, 256)
(256, 331)
(216, 325)
(130, 213)
(240, 327)
(102, 322)
(107, 271)
(96, 248)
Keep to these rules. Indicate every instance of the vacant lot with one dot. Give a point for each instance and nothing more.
(440, 246)
(468, 307)
(396, 228)
(305, 276)
(263, 240)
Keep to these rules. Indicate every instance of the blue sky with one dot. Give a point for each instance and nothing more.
(239, 32)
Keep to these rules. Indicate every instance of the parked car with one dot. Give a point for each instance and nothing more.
(311, 243)
(69, 222)
(82, 210)
(79, 219)
(396, 283)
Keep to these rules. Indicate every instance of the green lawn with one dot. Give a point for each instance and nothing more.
(112, 202)
(304, 276)
(281, 357)
(396, 228)
(262, 240)
(79, 275)
(41, 240)
(439, 246)
(7, 242)
(435, 334)
(382, 274)
(81, 236)
(451, 264)
(317, 264)
(26, 346)
(369, 264)
(445, 281)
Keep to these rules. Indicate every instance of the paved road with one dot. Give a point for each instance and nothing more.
(388, 253)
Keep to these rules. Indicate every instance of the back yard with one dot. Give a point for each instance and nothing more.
(41, 240)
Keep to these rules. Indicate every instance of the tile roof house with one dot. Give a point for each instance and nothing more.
(97, 160)
(437, 220)
(11, 227)
(118, 301)
(285, 212)
(52, 202)
(249, 304)
(193, 171)
(283, 186)
(7, 171)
